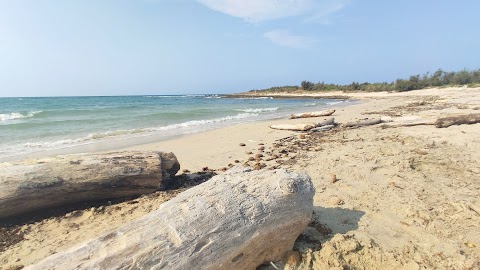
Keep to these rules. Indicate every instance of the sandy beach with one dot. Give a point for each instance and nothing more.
(405, 195)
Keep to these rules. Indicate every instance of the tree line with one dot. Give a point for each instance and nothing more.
(439, 78)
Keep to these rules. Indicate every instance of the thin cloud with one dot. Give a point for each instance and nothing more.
(263, 10)
(326, 10)
(286, 39)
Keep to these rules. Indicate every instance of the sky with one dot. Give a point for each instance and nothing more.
(135, 47)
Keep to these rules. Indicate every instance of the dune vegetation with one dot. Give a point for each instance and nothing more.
(439, 78)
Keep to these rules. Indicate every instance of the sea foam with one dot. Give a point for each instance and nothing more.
(194, 123)
(17, 115)
(257, 110)
(336, 102)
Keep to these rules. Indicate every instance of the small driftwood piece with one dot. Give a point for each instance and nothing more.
(363, 123)
(322, 128)
(37, 184)
(238, 220)
(312, 114)
(468, 119)
(329, 121)
(304, 126)
(294, 127)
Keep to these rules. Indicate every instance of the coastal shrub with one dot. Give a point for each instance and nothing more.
(306, 85)
(439, 78)
(463, 77)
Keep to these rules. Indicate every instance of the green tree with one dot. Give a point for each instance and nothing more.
(306, 85)
(463, 77)
(355, 86)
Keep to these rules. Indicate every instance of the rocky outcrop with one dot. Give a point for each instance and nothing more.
(37, 184)
(238, 220)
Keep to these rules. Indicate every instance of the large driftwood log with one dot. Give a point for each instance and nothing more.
(304, 126)
(469, 119)
(238, 220)
(363, 123)
(37, 184)
(312, 114)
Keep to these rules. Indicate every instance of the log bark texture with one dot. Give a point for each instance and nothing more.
(303, 126)
(469, 119)
(31, 185)
(312, 114)
(238, 220)
(363, 123)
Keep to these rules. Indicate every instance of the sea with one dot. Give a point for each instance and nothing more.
(32, 125)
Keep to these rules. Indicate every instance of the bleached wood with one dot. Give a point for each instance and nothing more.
(322, 128)
(50, 182)
(304, 126)
(363, 123)
(294, 127)
(238, 220)
(312, 114)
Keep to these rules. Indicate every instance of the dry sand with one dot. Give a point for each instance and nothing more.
(404, 197)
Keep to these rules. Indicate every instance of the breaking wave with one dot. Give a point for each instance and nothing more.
(257, 110)
(17, 115)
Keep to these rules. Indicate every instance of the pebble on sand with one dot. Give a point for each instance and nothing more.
(333, 178)
(292, 258)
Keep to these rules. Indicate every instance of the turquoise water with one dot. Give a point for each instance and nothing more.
(29, 125)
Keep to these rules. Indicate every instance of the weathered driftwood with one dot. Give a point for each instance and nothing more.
(410, 123)
(36, 184)
(294, 127)
(367, 122)
(469, 119)
(238, 220)
(304, 126)
(312, 114)
(322, 128)
(326, 122)
(406, 121)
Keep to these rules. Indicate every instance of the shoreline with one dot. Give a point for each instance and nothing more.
(405, 197)
(281, 95)
(113, 144)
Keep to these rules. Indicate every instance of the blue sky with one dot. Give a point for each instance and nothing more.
(121, 47)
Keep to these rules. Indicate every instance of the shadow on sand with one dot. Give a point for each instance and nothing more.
(326, 222)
